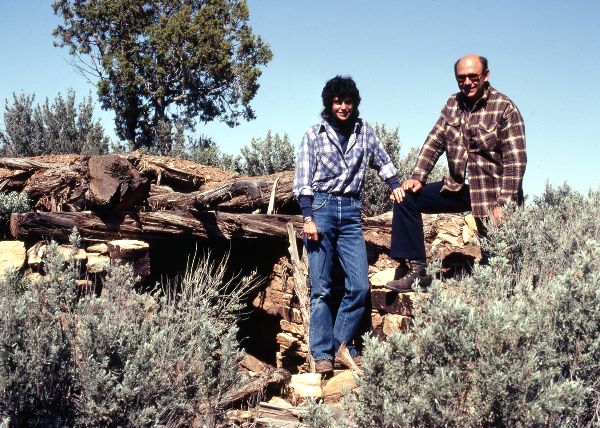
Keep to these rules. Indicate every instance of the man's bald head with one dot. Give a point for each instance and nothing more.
(472, 58)
(472, 75)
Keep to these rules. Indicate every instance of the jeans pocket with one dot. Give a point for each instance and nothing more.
(319, 201)
(356, 203)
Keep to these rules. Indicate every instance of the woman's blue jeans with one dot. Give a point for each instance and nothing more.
(340, 235)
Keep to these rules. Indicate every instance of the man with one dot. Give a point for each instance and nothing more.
(483, 135)
(330, 173)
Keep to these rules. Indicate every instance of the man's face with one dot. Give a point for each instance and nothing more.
(342, 108)
(471, 78)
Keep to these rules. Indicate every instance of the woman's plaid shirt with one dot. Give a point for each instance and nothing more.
(487, 141)
(322, 167)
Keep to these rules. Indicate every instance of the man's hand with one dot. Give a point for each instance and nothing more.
(412, 185)
(497, 215)
(397, 195)
(409, 186)
(310, 231)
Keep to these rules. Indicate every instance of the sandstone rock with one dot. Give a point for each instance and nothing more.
(470, 221)
(97, 263)
(390, 302)
(131, 251)
(12, 255)
(393, 323)
(100, 248)
(383, 277)
(306, 385)
(68, 251)
(296, 329)
(35, 254)
(333, 390)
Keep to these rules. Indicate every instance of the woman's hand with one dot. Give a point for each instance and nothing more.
(310, 231)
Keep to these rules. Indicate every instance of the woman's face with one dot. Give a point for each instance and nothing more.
(342, 108)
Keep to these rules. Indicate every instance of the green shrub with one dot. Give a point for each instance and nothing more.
(12, 202)
(124, 359)
(60, 127)
(514, 344)
(268, 155)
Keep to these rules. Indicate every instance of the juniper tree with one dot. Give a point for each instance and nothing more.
(161, 61)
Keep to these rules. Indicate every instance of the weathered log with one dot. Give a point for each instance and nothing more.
(241, 194)
(150, 225)
(59, 186)
(256, 387)
(181, 174)
(283, 193)
(115, 183)
(207, 199)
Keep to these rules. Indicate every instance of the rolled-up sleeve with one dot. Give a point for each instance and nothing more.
(305, 166)
(381, 160)
(430, 152)
(514, 156)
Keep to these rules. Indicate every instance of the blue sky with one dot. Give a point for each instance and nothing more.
(545, 55)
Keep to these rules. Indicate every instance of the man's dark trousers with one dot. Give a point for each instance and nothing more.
(408, 240)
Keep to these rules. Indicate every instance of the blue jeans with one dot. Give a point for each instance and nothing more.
(340, 234)
(408, 240)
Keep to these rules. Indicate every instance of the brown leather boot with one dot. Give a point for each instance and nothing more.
(416, 274)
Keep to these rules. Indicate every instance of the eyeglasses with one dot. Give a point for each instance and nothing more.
(473, 77)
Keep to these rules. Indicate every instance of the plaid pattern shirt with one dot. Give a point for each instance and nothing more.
(487, 142)
(323, 167)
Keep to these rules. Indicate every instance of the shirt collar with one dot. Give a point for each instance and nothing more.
(479, 103)
(324, 126)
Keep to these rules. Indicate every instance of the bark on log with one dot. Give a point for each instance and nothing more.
(257, 386)
(283, 193)
(150, 225)
(115, 183)
(178, 173)
(203, 200)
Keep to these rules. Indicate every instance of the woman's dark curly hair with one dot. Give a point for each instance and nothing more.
(342, 87)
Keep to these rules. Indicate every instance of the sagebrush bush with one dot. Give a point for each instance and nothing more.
(515, 344)
(123, 359)
(11, 202)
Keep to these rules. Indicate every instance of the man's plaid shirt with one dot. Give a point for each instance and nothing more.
(488, 141)
(322, 167)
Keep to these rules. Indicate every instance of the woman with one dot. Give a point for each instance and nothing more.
(330, 173)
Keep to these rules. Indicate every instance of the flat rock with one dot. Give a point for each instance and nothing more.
(391, 302)
(393, 323)
(12, 255)
(382, 277)
(306, 385)
(97, 263)
(333, 390)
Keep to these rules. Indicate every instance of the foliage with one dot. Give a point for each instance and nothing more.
(205, 151)
(124, 359)
(514, 344)
(375, 194)
(268, 155)
(60, 127)
(161, 62)
(12, 202)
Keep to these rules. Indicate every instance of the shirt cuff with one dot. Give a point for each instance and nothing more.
(393, 182)
(305, 202)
